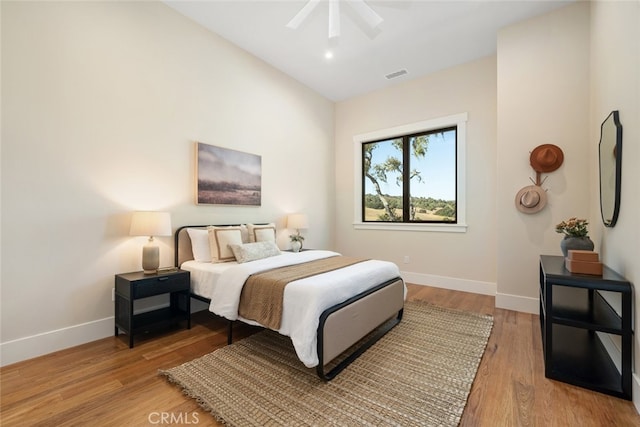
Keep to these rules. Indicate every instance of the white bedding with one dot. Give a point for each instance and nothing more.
(304, 300)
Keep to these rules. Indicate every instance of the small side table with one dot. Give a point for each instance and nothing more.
(575, 317)
(137, 285)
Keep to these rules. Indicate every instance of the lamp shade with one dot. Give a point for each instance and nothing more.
(297, 221)
(150, 224)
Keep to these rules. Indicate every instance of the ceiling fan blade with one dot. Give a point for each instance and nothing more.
(334, 18)
(302, 15)
(366, 13)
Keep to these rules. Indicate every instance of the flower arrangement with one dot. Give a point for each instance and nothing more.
(573, 227)
(296, 237)
(296, 241)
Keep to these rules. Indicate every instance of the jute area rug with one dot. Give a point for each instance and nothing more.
(419, 374)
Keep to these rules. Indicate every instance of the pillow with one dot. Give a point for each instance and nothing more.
(254, 251)
(200, 244)
(244, 231)
(262, 233)
(219, 240)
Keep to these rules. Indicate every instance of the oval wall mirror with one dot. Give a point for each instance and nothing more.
(610, 168)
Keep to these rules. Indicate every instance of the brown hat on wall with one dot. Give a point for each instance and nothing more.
(531, 199)
(546, 158)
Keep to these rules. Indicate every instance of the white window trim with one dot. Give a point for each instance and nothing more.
(459, 120)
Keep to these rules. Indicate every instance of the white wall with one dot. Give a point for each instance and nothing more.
(543, 98)
(463, 261)
(615, 85)
(101, 105)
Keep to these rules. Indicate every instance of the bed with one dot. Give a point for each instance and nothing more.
(324, 314)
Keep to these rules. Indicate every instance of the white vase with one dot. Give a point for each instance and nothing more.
(296, 245)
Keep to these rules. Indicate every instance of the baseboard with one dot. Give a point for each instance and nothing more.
(518, 303)
(636, 391)
(452, 283)
(506, 301)
(48, 342)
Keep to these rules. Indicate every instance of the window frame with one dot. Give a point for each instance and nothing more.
(457, 120)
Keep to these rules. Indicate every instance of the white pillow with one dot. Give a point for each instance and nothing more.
(200, 244)
(219, 240)
(262, 233)
(254, 251)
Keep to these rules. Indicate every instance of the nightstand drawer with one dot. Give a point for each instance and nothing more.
(160, 285)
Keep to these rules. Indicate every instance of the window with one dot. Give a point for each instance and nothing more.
(412, 177)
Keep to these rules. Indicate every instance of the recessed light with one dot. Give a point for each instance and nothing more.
(328, 54)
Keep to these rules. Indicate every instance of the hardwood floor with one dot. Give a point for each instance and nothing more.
(104, 383)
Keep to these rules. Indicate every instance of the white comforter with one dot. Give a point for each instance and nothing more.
(304, 300)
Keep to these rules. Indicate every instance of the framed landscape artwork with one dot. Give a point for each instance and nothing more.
(227, 177)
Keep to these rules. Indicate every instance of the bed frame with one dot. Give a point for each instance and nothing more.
(370, 314)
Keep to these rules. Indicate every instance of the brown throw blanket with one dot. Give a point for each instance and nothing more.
(262, 294)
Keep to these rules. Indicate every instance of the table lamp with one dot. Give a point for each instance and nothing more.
(150, 224)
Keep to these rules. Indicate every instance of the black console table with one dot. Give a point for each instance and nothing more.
(573, 314)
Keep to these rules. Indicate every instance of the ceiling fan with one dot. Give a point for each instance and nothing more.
(368, 15)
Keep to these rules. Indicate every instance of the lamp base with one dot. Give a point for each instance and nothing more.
(150, 258)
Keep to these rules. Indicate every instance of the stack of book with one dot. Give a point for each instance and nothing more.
(583, 262)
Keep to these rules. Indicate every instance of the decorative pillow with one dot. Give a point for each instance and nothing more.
(262, 233)
(200, 244)
(254, 251)
(244, 231)
(219, 240)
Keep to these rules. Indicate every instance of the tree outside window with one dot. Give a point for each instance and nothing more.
(411, 178)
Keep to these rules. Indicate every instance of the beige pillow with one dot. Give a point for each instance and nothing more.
(219, 240)
(262, 233)
(254, 251)
(244, 231)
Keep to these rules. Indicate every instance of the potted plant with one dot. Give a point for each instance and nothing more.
(296, 241)
(576, 235)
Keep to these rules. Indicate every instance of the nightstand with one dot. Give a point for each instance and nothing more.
(137, 285)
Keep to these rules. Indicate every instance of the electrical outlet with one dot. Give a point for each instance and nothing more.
(113, 294)
(407, 259)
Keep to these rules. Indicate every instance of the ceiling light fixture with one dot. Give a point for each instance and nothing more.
(370, 17)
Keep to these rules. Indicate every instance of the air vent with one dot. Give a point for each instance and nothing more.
(396, 74)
